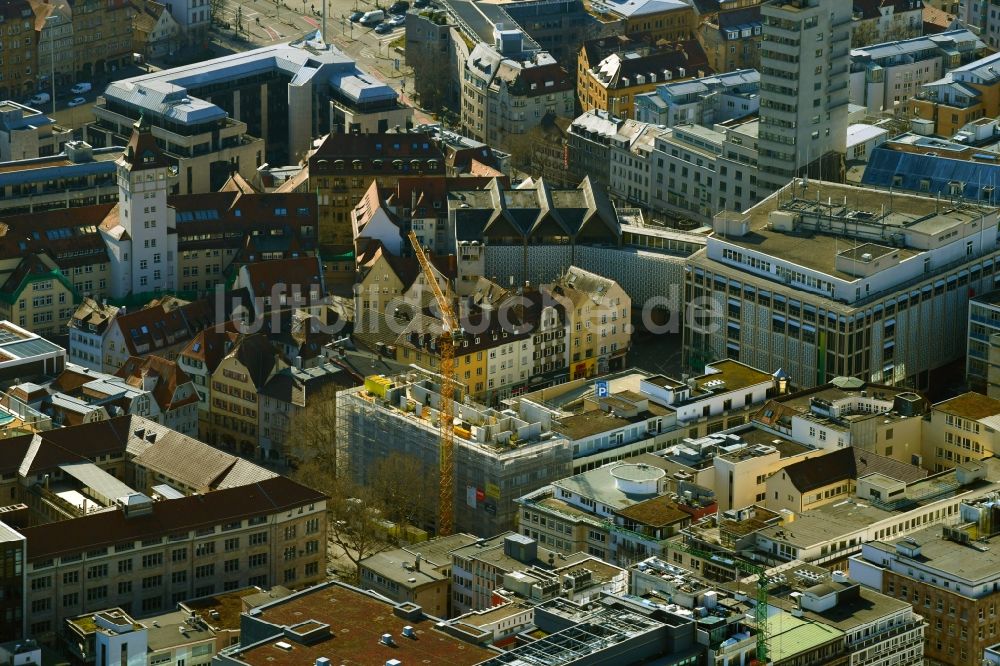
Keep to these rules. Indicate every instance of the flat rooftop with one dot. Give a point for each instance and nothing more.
(970, 405)
(357, 620)
(221, 610)
(754, 437)
(964, 561)
(790, 636)
(819, 251)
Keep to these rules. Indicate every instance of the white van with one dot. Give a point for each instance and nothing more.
(40, 98)
(372, 18)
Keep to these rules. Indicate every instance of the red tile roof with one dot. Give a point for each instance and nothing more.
(168, 378)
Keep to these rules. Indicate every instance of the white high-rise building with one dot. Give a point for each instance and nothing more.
(804, 86)
(137, 231)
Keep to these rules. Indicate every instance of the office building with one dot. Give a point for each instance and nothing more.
(984, 323)
(589, 146)
(884, 77)
(228, 103)
(807, 304)
(27, 133)
(498, 456)
(299, 629)
(878, 629)
(76, 177)
(949, 573)
(24, 354)
(804, 88)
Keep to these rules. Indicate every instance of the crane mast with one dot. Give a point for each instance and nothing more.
(446, 344)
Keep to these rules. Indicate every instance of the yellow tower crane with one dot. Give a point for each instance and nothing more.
(446, 346)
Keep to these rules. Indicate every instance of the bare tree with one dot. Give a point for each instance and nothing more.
(215, 11)
(354, 530)
(312, 432)
(405, 489)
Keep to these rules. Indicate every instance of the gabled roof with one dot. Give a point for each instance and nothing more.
(106, 528)
(167, 375)
(142, 153)
(848, 463)
(256, 353)
(211, 346)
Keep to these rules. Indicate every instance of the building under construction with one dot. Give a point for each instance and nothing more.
(498, 456)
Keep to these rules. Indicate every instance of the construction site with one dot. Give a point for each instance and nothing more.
(497, 456)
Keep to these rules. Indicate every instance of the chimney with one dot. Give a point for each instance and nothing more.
(416, 562)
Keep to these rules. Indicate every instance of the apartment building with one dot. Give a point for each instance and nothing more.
(507, 90)
(56, 55)
(702, 101)
(809, 305)
(194, 18)
(498, 456)
(877, 21)
(731, 35)
(949, 573)
(156, 33)
(418, 574)
(960, 430)
(199, 359)
(804, 87)
(236, 385)
(599, 316)
(288, 396)
(589, 146)
(663, 19)
(20, 66)
(964, 94)
(343, 168)
(152, 388)
(886, 76)
(984, 323)
(27, 133)
(223, 102)
(609, 78)
(78, 176)
(102, 37)
(163, 328)
(630, 164)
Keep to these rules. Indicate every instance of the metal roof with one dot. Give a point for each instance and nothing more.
(167, 94)
(932, 174)
(92, 476)
(32, 347)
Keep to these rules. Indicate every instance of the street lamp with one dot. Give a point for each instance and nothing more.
(52, 63)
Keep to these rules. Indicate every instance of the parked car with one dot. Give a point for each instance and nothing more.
(80, 88)
(356, 16)
(399, 7)
(372, 18)
(76, 101)
(420, 4)
(396, 21)
(40, 98)
(383, 28)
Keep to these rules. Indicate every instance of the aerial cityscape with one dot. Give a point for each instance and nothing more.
(499, 332)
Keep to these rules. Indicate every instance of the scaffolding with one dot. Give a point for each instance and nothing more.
(497, 456)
